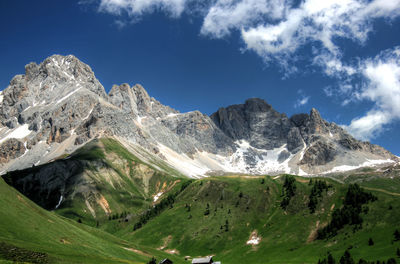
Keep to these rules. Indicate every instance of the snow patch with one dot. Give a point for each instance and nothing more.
(68, 95)
(90, 112)
(26, 150)
(262, 161)
(265, 161)
(172, 115)
(69, 75)
(26, 108)
(367, 163)
(59, 202)
(55, 62)
(302, 173)
(157, 196)
(18, 133)
(140, 118)
(1, 97)
(303, 151)
(330, 134)
(254, 239)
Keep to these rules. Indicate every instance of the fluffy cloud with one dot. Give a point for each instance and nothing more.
(319, 22)
(226, 15)
(380, 85)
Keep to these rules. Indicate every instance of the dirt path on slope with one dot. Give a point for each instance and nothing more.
(380, 190)
(137, 251)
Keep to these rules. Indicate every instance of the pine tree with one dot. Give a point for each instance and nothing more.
(396, 235)
(152, 261)
(370, 242)
(207, 211)
(346, 258)
(398, 252)
(331, 260)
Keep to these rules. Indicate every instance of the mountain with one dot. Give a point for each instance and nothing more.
(59, 106)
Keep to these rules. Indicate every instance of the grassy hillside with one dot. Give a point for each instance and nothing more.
(226, 212)
(29, 233)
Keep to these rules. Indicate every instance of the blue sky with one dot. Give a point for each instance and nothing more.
(341, 57)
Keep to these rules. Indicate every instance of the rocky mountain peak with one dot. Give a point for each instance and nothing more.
(317, 124)
(254, 121)
(136, 101)
(257, 105)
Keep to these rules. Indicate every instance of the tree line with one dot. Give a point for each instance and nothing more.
(350, 213)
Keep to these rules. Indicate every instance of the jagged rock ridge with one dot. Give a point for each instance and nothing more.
(59, 105)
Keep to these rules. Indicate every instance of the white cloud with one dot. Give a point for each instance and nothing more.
(140, 7)
(382, 87)
(319, 22)
(302, 101)
(226, 15)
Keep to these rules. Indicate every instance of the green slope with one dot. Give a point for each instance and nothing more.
(26, 226)
(287, 236)
(34, 235)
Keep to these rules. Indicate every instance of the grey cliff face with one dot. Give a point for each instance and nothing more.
(254, 121)
(59, 105)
